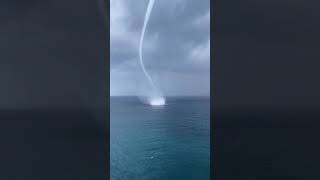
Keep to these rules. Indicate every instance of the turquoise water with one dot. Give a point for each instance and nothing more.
(171, 142)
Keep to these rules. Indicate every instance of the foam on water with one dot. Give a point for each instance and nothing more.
(160, 101)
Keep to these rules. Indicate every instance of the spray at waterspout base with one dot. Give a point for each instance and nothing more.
(153, 100)
(158, 101)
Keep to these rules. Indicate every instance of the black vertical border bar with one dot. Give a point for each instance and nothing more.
(106, 4)
(212, 94)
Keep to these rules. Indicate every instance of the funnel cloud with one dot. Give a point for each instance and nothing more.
(155, 98)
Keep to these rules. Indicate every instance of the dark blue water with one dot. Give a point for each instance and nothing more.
(171, 142)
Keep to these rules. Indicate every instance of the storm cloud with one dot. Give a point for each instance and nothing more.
(176, 46)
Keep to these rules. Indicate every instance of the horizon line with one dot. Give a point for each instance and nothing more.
(165, 96)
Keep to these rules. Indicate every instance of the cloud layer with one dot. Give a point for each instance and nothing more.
(176, 46)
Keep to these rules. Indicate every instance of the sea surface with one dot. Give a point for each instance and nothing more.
(170, 142)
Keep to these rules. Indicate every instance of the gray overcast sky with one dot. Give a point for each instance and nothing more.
(176, 48)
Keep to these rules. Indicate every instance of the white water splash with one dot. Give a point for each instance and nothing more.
(156, 98)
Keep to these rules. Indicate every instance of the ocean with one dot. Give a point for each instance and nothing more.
(170, 142)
